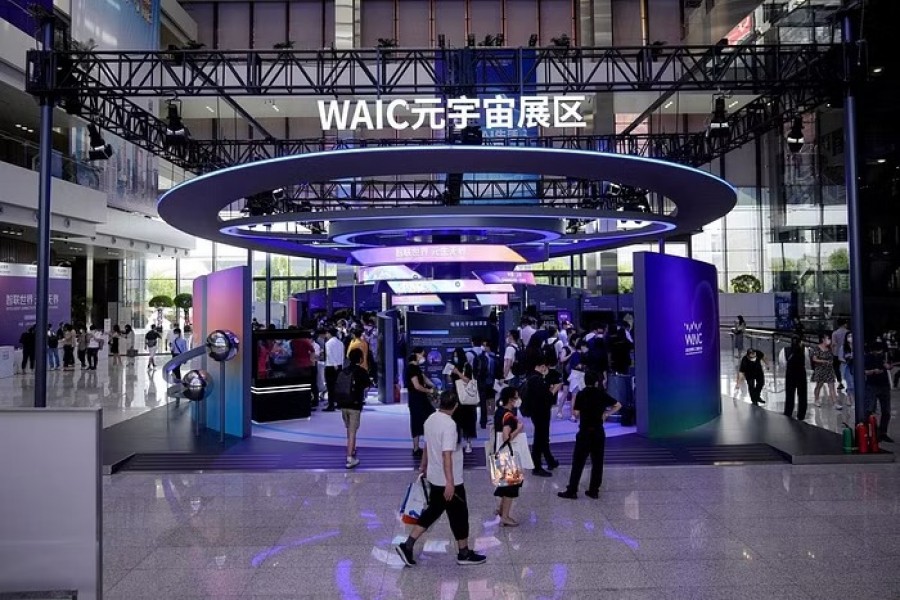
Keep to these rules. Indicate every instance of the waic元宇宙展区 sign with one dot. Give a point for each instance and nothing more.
(435, 113)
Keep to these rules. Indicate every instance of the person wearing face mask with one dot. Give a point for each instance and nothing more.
(751, 371)
(541, 389)
(847, 369)
(418, 389)
(507, 426)
(593, 405)
(823, 370)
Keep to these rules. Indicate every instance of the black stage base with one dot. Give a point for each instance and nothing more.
(163, 440)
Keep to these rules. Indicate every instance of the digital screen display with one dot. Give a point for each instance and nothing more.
(417, 300)
(385, 273)
(492, 299)
(450, 286)
(437, 253)
(521, 277)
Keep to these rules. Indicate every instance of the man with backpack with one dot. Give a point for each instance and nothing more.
(479, 356)
(513, 359)
(538, 395)
(552, 347)
(349, 394)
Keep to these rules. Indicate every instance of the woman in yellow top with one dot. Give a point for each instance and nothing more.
(363, 345)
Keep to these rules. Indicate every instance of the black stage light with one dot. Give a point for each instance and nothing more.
(533, 40)
(99, 149)
(176, 134)
(795, 138)
(718, 124)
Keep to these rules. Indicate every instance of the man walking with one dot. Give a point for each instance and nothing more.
(151, 341)
(350, 394)
(838, 337)
(334, 361)
(442, 465)
(177, 346)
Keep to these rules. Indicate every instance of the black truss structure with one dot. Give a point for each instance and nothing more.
(393, 71)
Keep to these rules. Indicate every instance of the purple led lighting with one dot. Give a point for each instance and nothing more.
(521, 277)
(437, 253)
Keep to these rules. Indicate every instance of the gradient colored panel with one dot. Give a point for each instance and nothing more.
(228, 307)
(492, 299)
(385, 273)
(450, 286)
(677, 345)
(437, 253)
(417, 300)
(521, 277)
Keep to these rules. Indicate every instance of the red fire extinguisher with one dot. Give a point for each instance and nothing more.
(862, 438)
(873, 435)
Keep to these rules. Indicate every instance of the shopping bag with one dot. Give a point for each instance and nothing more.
(519, 445)
(505, 468)
(414, 502)
(467, 392)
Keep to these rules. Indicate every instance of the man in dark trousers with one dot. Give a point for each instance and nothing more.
(593, 405)
(540, 396)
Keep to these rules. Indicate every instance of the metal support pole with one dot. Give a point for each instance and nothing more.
(645, 23)
(853, 222)
(43, 249)
(662, 245)
(268, 289)
(221, 401)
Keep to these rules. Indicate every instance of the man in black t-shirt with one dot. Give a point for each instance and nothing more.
(351, 408)
(878, 387)
(593, 405)
(541, 393)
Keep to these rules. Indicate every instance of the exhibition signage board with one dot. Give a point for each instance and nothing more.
(492, 299)
(520, 277)
(18, 299)
(600, 303)
(437, 253)
(385, 273)
(677, 358)
(440, 335)
(499, 112)
(417, 300)
(450, 286)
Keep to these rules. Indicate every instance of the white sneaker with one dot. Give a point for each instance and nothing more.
(468, 449)
(352, 462)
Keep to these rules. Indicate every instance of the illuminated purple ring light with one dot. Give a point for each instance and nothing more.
(194, 205)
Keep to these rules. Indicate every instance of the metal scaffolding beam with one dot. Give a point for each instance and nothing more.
(377, 71)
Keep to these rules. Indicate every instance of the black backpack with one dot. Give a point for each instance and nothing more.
(343, 389)
(526, 406)
(481, 370)
(519, 367)
(548, 352)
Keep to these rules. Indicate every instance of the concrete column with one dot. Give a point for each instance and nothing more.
(346, 23)
(605, 263)
(595, 22)
(89, 282)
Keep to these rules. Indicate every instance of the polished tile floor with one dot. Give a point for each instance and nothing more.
(754, 532)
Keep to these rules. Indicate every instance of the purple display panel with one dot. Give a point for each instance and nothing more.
(440, 335)
(522, 277)
(437, 253)
(677, 344)
(449, 286)
(318, 300)
(600, 303)
(18, 299)
(228, 307)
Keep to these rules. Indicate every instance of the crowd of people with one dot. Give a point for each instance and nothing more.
(828, 364)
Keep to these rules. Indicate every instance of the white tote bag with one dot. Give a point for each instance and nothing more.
(467, 392)
(519, 446)
(414, 502)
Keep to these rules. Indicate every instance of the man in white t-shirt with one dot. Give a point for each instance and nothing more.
(526, 331)
(442, 465)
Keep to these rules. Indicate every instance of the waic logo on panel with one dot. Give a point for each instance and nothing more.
(693, 338)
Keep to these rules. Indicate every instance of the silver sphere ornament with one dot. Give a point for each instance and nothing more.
(222, 345)
(197, 385)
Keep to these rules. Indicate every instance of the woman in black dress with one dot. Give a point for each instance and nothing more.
(506, 427)
(418, 389)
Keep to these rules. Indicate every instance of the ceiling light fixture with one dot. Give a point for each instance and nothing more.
(877, 70)
(210, 109)
(99, 149)
(275, 108)
(718, 124)
(795, 138)
(668, 104)
(176, 133)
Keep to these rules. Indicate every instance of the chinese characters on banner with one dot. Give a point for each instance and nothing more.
(19, 299)
(431, 113)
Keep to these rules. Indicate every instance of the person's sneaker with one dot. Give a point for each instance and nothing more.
(541, 473)
(838, 407)
(468, 448)
(595, 494)
(352, 462)
(568, 495)
(406, 554)
(840, 386)
(417, 453)
(470, 557)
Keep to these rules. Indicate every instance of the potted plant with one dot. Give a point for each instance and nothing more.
(159, 303)
(184, 302)
(746, 284)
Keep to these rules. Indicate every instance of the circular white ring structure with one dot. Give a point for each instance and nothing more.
(699, 197)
